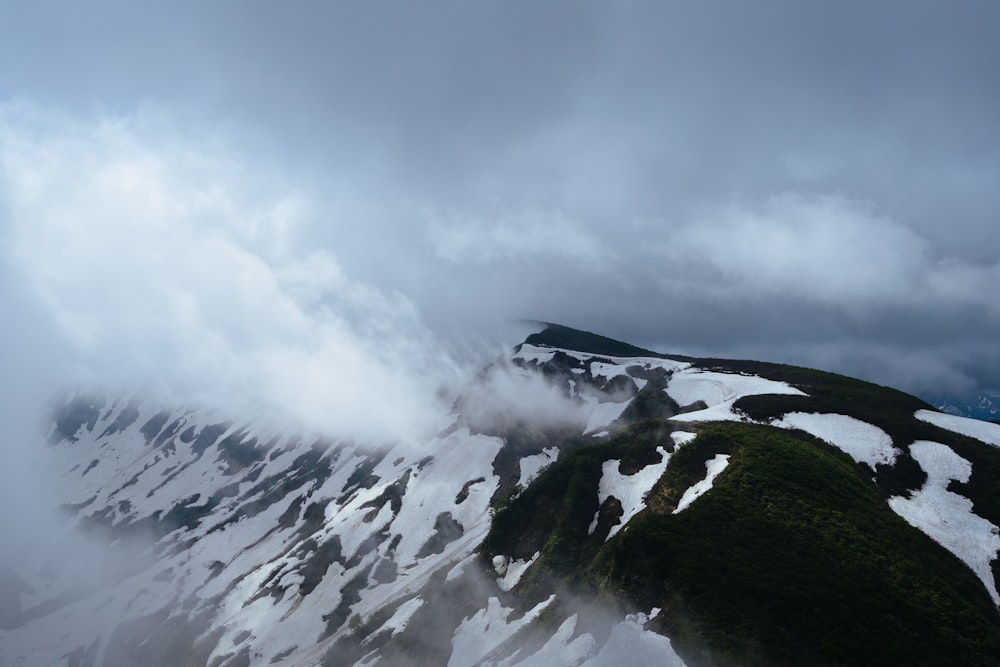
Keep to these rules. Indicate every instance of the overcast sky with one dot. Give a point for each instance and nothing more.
(299, 199)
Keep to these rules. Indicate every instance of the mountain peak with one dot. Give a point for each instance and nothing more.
(568, 338)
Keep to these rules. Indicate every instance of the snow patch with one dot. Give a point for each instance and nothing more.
(397, 622)
(862, 441)
(974, 428)
(459, 569)
(535, 355)
(561, 649)
(543, 354)
(712, 468)
(629, 643)
(602, 414)
(511, 571)
(485, 630)
(630, 490)
(681, 437)
(691, 385)
(532, 465)
(946, 517)
(608, 371)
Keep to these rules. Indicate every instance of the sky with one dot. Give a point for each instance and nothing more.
(312, 204)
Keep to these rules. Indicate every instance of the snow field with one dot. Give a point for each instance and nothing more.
(629, 643)
(153, 478)
(601, 414)
(946, 517)
(541, 355)
(719, 391)
(682, 437)
(974, 428)
(397, 622)
(862, 441)
(630, 490)
(531, 466)
(484, 631)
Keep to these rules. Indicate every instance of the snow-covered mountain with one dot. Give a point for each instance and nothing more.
(981, 406)
(641, 509)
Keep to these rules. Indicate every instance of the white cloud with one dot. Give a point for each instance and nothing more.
(504, 395)
(525, 234)
(167, 265)
(826, 249)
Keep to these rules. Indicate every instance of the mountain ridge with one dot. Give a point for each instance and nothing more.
(819, 500)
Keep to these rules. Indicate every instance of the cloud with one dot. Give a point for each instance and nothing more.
(504, 396)
(577, 162)
(171, 267)
(523, 235)
(822, 248)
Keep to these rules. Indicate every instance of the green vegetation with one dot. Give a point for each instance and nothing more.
(552, 514)
(556, 335)
(793, 558)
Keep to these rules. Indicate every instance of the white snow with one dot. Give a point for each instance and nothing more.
(712, 468)
(862, 441)
(723, 412)
(534, 464)
(563, 648)
(258, 549)
(974, 428)
(543, 354)
(947, 517)
(629, 643)
(397, 622)
(630, 490)
(681, 437)
(607, 371)
(485, 630)
(511, 571)
(691, 385)
(719, 391)
(458, 569)
(602, 414)
(533, 354)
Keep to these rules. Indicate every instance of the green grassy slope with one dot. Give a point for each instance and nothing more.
(793, 558)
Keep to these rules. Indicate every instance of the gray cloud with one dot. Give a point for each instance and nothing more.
(796, 181)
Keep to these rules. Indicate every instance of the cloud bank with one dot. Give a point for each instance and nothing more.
(809, 183)
(167, 268)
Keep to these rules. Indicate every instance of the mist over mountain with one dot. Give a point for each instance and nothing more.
(585, 502)
(265, 397)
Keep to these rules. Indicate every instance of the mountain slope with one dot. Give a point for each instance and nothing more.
(679, 511)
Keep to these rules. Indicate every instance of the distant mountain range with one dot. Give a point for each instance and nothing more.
(627, 508)
(975, 407)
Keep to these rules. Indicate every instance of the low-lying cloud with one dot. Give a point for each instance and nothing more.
(169, 268)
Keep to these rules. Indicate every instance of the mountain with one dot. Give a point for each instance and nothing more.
(980, 406)
(631, 508)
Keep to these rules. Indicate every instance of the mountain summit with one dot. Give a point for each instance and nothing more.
(587, 503)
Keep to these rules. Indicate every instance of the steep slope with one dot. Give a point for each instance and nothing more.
(681, 511)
